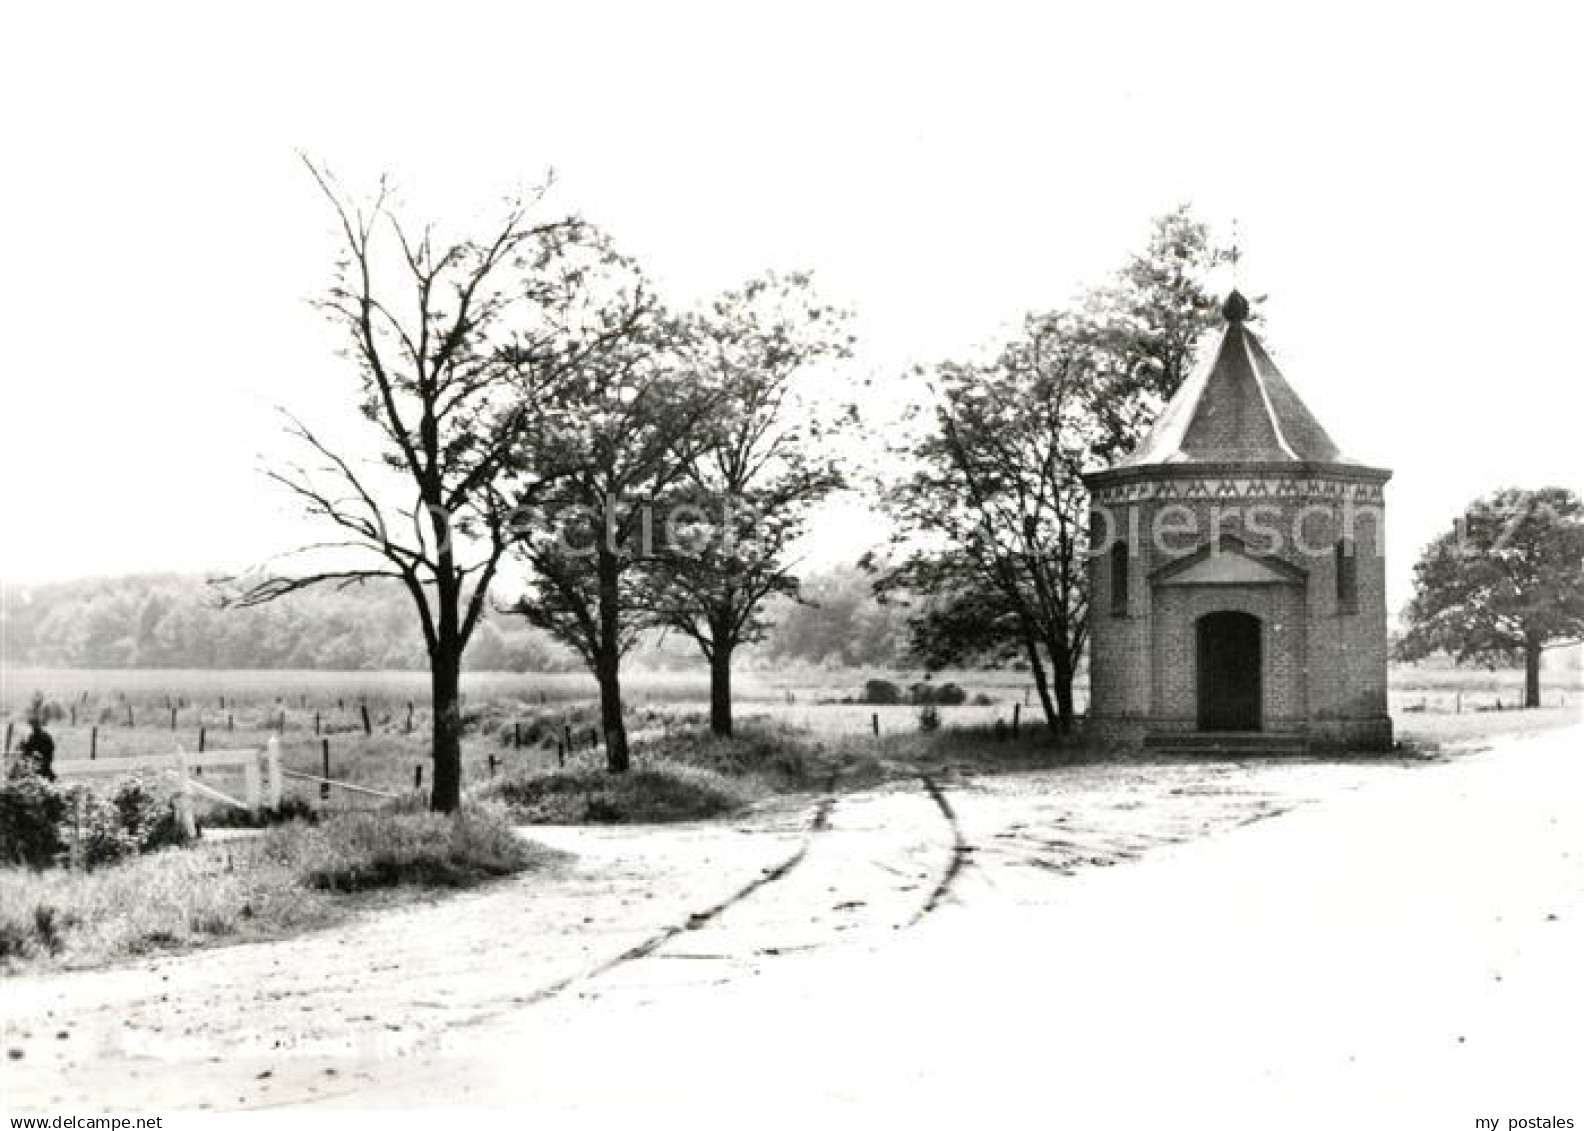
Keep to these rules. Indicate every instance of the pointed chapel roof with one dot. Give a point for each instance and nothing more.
(1236, 408)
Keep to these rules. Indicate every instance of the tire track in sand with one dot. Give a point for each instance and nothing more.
(698, 919)
(960, 850)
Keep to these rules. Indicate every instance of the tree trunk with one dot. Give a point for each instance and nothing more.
(1532, 650)
(445, 683)
(607, 663)
(617, 757)
(1041, 683)
(1062, 677)
(721, 689)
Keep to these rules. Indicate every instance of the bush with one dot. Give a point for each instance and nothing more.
(135, 817)
(38, 932)
(882, 693)
(92, 826)
(946, 695)
(293, 807)
(30, 814)
(39, 820)
(929, 717)
(146, 813)
(950, 695)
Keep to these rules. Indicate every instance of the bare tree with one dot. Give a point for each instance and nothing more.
(454, 344)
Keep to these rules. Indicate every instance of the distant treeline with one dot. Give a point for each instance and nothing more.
(174, 621)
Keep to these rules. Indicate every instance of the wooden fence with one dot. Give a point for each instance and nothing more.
(263, 777)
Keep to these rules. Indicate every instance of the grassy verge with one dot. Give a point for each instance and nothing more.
(294, 877)
(1473, 729)
(681, 772)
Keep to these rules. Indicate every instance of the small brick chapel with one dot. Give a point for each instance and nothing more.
(1238, 576)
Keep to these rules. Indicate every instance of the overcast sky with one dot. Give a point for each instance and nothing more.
(1407, 179)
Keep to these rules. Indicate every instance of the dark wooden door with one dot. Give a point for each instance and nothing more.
(1229, 672)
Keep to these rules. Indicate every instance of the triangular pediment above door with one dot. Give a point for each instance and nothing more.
(1230, 563)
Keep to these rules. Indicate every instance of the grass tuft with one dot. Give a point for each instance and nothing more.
(646, 795)
(290, 879)
(778, 756)
(365, 851)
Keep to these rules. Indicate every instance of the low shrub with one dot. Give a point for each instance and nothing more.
(146, 813)
(882, 693)
(40, 820)
(27, 935)
(944, 695)
(31, 810)
(293, 807)
(92, 828)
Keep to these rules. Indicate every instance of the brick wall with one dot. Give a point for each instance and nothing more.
(1324, 665)
(1175, 614)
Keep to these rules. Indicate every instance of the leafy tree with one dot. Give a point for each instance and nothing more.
(173, 622)
(452, 342)
(1506, 581)
(836, 620)
(996, 513)
(616, 440)
(960, 624)
(995, 508)
(763, 462)
(1145, 325)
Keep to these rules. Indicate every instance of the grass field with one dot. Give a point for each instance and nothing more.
(152, 692)
(209, 697)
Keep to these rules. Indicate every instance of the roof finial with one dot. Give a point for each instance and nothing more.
(1236, 307)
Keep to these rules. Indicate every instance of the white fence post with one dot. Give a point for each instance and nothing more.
(252, 789)
(184, 806)
(272, 763)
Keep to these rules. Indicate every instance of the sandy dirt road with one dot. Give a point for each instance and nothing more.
(1113, 943)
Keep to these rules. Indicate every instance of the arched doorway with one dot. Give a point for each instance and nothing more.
(1229, 671)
